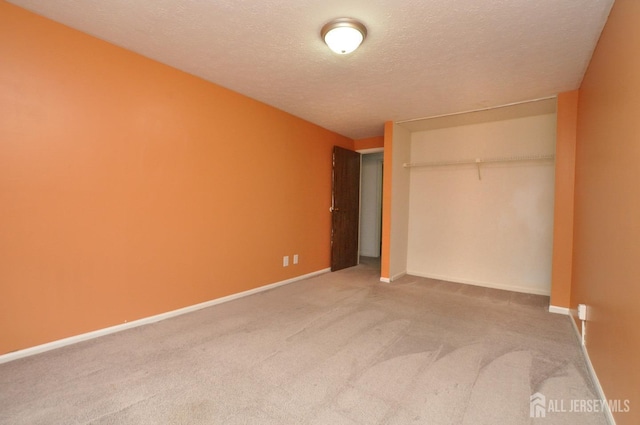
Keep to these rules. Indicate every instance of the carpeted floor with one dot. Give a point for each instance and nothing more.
(341, 348)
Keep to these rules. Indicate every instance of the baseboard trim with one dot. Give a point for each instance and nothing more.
(512, 288)
(398, 276)
(592, 371)
(148, 320)
(559, 310)
(392, 278)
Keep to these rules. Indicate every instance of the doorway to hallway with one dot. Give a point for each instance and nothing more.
(370, 240)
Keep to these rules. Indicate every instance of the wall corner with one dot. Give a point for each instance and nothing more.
(562, 260)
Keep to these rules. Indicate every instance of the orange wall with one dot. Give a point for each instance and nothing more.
(368, 143)
(128, 188)
(606, 269)
(567, 116)
(385, 255)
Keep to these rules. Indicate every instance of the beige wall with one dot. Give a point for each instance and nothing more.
(606, 260)
(494, 232)
(400, 202)
(395, 201)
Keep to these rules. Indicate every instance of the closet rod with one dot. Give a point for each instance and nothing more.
(478, 161)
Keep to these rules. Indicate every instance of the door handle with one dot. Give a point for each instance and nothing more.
(332, 209)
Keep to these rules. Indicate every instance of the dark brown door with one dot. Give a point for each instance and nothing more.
(345, 208)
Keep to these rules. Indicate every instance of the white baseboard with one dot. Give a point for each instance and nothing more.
(147, 320)
(513, 288)
(392, 278)
(398, 276)
(592, 372)
(560, 310)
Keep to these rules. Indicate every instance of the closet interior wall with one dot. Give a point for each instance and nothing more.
(493, 229)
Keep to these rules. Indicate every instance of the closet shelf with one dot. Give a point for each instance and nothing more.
(526, 158)
(479, 161)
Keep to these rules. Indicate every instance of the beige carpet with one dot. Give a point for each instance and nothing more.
(341, 348)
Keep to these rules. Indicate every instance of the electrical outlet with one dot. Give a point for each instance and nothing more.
(582, 311)
(285, 261)
(295, 258)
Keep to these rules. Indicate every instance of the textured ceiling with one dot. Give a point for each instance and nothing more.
(420, 59)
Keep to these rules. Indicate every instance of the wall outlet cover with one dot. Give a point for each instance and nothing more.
(582, 311)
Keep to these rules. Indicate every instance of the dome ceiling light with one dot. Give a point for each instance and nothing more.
(343, 35)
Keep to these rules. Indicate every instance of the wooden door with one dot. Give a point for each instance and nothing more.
(345, 208)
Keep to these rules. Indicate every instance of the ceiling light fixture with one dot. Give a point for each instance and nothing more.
(343, 35)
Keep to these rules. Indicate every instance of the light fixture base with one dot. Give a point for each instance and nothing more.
(343, 35)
